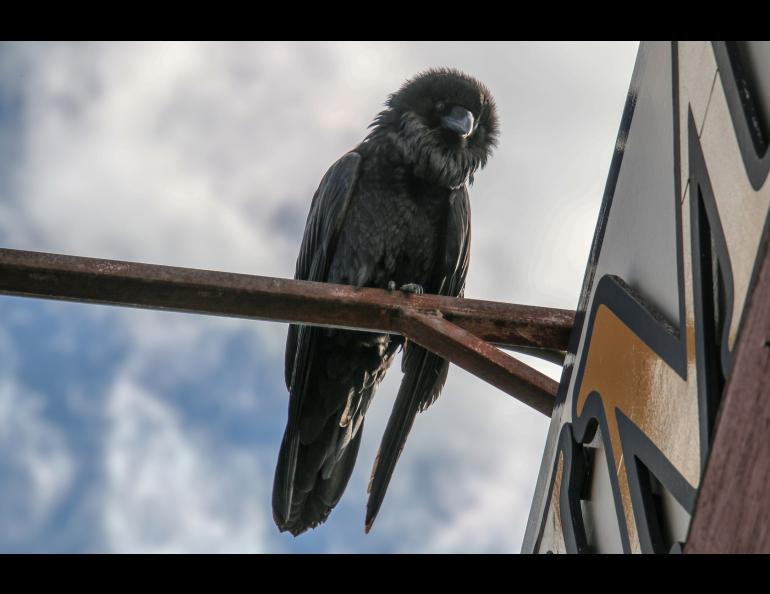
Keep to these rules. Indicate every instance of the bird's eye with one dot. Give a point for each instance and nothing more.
(440, 106)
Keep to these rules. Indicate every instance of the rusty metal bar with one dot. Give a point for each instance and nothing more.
(459, 330)
(150, 286)
(481, 359)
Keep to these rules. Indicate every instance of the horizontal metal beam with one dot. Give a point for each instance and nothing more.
(151, 286)
(459, 330)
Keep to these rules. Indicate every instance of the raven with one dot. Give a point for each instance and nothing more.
(392, 213)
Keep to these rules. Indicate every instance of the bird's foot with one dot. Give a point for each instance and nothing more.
(412, 288)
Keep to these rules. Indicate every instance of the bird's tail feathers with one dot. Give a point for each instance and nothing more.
(301, 501)
(424, 376)
(283, 484)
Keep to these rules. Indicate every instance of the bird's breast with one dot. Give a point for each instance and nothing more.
(392, 232)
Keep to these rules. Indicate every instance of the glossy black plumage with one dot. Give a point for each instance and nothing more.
(395, 211)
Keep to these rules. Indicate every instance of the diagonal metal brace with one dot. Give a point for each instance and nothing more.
(481, 359)
(459, 330)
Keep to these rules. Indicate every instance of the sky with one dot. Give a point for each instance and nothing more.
(139, 431)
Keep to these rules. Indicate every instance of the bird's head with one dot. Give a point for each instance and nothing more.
(443, 122)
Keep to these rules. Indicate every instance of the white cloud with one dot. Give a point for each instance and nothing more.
(181, 153)
(490, 496)
(207, 155)
(172, 490)
(35, 462)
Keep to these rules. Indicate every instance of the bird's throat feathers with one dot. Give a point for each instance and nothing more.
(428, 153)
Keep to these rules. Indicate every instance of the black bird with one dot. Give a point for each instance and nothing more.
(393, 213)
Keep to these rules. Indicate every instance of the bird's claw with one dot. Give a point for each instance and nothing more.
(412, 288)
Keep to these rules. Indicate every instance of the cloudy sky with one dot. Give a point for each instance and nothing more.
(137, 431)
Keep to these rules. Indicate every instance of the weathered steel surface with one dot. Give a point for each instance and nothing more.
(732, 514)
(131, 284)
(481, 359)
(457, 329)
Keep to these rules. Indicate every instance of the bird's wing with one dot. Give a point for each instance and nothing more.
(326, 217)
(424, 372)
(324, 221)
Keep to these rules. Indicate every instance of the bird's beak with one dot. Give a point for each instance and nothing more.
(458, 120)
